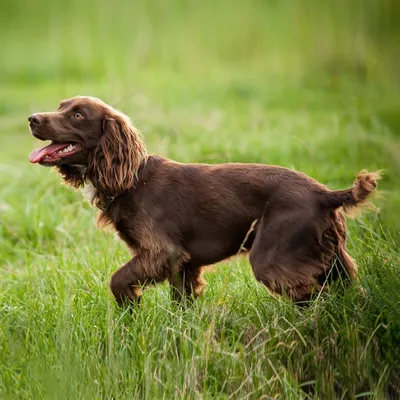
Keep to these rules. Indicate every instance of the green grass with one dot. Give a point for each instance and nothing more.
(305, 85)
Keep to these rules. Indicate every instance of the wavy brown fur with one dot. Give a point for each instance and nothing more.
(113, 164)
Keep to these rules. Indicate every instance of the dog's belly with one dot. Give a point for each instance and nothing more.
(213, 245)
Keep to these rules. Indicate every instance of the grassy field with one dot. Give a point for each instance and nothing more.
(306, 85)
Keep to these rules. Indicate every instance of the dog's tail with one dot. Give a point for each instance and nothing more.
(357, 196)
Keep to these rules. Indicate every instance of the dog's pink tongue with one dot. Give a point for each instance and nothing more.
(38, 154)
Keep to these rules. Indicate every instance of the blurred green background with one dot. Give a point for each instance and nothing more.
(310, 85)
(98, 41)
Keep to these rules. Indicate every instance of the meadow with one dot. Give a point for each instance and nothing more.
(312, 86)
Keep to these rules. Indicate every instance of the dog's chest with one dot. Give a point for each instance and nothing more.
(89, 192)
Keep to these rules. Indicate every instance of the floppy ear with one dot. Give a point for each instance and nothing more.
(115, 160)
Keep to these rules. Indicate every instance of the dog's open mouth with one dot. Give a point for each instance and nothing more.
(54, 152)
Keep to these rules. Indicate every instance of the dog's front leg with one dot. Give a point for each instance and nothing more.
(144, 269)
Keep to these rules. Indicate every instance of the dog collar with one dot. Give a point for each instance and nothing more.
(104, 202)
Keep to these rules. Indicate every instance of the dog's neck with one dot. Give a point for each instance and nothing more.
(76, 176)
(92, 195)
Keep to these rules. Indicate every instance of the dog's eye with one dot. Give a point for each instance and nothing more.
(78, 115)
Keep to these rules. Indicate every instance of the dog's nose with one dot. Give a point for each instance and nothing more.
(35, 119)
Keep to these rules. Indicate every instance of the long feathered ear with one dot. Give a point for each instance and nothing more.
(115, 161)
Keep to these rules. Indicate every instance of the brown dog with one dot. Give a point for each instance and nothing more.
(178, 218)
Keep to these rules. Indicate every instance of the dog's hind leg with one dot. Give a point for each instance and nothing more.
(345, 269)
(286, 256)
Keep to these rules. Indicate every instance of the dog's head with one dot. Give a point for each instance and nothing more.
(88, 135)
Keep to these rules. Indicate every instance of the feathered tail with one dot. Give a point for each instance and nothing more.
(357, 196)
